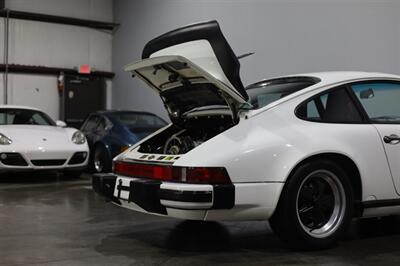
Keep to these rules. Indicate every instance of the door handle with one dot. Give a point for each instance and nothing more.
(392, 139)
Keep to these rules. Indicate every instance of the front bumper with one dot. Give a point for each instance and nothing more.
(49, 160)
(156, 197)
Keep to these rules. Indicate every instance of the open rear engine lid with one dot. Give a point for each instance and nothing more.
(192, 67)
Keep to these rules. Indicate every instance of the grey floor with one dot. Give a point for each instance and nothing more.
(46, 219)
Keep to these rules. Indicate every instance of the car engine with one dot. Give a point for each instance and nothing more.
(183, 138)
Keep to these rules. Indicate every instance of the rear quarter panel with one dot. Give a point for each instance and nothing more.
(266, 147)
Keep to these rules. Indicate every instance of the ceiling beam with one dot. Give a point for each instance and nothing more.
(57, 19)
(42, 70)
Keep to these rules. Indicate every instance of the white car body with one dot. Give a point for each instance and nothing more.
(274, 138)
(262, 150)
(42, 147)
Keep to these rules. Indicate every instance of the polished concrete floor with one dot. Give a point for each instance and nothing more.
(46, 219)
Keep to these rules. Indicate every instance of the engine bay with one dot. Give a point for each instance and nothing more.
(183, 137)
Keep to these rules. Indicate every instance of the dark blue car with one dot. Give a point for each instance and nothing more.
(111, 132)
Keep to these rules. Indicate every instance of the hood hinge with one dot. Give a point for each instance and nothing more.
(232, 106)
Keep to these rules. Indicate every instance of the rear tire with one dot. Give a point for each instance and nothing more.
(316, 206)
(101, 162)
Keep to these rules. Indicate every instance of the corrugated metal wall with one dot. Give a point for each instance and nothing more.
(54, 45)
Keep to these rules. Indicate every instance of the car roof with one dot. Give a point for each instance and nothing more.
(325, 79)
(19, 107)
(332, 77)
(328, 78)
(106, 112)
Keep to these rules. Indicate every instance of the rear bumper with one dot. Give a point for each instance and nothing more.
(155, 196)
(247, 201)
(104, 185)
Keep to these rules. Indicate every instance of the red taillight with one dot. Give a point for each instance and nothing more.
(207, 175)
(144, 170)
(194, 175)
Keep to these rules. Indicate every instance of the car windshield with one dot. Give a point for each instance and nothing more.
(24, 117)
(138, 120)
(268, 91)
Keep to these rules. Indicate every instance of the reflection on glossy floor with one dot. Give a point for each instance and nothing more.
(55, 221)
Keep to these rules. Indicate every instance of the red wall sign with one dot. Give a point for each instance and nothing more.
(84, 69)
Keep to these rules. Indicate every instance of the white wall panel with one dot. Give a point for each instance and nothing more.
(46, 44)
(100, 50)
(1, 89)
(55, 45)
(101, 10)
(108, 94)
(2, 40)
(35, 91)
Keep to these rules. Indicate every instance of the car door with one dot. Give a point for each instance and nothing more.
(380, 100)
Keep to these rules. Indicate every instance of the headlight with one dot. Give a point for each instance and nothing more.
(4, 140)
(78, 138)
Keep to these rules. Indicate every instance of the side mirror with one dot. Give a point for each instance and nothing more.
(60, 123)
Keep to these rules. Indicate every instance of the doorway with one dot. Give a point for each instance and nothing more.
(81, 96)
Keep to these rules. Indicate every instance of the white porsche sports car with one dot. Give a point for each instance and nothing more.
(31, 140)
(306, 152)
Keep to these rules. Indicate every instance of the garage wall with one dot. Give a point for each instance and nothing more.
(55, 45)
(287, 36)
(88, 9)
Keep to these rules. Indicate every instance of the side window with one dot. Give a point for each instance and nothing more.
(37, 119)
(104, 125)
(91, 123)
(3, 118)
(335, 106)
(380, 100)
(108, 124)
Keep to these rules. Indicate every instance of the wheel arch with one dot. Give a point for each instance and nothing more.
(348, 165)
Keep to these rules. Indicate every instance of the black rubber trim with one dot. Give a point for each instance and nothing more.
(381, 203)
(145, 193)
(104, 185)
(186, 196)
(224, 197)
(211, 32)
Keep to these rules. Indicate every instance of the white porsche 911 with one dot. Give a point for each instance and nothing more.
(31, 140)
(306, 152)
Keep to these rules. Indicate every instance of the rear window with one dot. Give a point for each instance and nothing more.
(265, 92)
